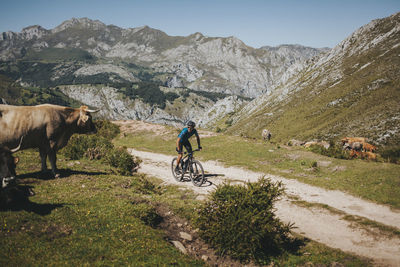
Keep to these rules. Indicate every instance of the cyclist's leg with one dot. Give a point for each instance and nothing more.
(178, 160)
(188, 147)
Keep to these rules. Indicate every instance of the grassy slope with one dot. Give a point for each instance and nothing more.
(14, 94)
(9, 90)
(368, 102)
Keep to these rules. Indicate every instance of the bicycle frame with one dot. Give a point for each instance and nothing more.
(189, 165)
(187, 159)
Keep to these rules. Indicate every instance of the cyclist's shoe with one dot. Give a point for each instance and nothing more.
(178, 170)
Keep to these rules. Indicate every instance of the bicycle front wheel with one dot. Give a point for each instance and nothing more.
(176, 172)
(197, 173)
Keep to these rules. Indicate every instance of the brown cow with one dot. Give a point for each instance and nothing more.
(351, 140)
(354, 153)
(368, 155)
(369, 148)
(47, 127)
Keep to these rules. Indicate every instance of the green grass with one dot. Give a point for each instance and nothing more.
(316, 254)
(375, 181)
(86, 218)
(91, 217)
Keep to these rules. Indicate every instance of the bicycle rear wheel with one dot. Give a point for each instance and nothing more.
(177, 174)
(197, 173)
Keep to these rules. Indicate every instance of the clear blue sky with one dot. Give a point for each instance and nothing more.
(315, 23)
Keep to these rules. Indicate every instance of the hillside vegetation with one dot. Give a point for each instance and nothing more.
(354, 90)
(14, 94)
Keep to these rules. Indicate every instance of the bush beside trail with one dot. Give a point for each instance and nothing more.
(100, 147)
(391, 155)
(107, 129)
(239, 220)
(334, 151)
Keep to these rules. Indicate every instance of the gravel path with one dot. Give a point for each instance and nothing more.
(315, 223)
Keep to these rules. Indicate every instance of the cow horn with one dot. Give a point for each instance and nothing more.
(92, 110)
(18, 147)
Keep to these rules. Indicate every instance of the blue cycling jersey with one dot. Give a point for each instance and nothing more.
(185, 134)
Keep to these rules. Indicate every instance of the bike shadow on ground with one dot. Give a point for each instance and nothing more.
(211, 175)
(207, 182)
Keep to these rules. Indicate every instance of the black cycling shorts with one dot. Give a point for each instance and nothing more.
(187, 145)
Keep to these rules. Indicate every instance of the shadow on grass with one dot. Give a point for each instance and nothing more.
(271, 251)
(17, 199)
(295, 244)
(64, 173)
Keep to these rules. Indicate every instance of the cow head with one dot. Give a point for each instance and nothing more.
(85, 123)
(7, 166)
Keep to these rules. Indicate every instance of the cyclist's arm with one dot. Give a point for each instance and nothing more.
(177, 142)
(198, 141)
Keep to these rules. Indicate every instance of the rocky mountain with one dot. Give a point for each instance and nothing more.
(352, 90)
(201, 71)
(224, 65)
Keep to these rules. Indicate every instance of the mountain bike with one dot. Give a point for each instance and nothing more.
(191, 166)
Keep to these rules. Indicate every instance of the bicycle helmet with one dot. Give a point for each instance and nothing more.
(191, 124)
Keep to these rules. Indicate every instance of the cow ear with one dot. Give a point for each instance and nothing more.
(83, 114)
(16, 160)
(83, 118)
(83, 110)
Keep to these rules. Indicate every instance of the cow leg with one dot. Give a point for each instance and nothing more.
(53, 160)
(43, 157)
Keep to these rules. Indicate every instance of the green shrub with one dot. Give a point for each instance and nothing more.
(391, 155)
(239, 220)
(171, 96)
(91, 146)
(99, 147)
(314, 164)
(124, 162)
(334, 151)
(107, 129)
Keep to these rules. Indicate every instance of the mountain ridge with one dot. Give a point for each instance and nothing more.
(80, 52)
(298, 92)
(154, 48)
(351, 90)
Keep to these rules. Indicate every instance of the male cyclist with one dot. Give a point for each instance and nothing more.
(183, 140)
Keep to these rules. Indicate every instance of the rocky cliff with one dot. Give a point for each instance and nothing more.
(81, 52)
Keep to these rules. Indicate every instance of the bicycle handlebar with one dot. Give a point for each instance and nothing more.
(192, 151)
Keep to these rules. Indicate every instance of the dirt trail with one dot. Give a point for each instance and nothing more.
(314, 223)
